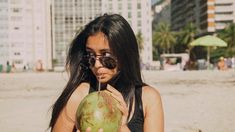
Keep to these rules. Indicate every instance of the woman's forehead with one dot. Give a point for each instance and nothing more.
(97, 42)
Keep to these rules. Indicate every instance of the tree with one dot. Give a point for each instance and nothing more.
(140, 41)
(187, 35)
(164, 37)
(228, 35)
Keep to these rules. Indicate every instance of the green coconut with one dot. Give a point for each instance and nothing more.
(98, 110)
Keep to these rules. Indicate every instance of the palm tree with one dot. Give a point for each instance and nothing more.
(140, 41)
(187, 34)
(164, 37)
(228, 35)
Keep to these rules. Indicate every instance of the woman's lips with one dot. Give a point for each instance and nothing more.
(100, 76)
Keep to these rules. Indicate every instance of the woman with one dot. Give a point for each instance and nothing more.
(106, 49)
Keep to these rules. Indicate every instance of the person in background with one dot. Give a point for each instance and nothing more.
(106, 49)
(221, 64)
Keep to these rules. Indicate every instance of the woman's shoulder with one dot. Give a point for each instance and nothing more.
(80, 92)
(149, 92)
(150, 97)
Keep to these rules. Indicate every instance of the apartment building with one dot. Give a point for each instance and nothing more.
(4, 42)
(208, 15)
(216, 14)
(25, 33)
(161, 12)
(68, 16)
(183, 12)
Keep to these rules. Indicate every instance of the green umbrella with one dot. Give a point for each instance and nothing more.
(209, 41)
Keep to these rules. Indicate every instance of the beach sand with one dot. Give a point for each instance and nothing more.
(193, 101)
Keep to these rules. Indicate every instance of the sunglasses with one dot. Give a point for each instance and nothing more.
(107, 61)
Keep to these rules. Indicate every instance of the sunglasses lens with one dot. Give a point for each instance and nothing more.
(108, 62)
(91, 61)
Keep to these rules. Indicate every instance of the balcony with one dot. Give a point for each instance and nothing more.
(223, 17)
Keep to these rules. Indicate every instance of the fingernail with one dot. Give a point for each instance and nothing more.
(88, 129)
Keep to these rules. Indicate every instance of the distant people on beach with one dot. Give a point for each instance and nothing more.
(8, 70)
(221, 64)
(39, 66)
(233, 62)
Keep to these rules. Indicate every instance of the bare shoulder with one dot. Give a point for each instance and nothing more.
(151, 99)
(153, 110)
(81, 91)
(151, 94)
(67, 117)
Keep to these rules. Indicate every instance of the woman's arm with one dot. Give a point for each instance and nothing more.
(153, 110)
(66, 119)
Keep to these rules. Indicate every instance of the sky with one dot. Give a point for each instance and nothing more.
(154, 1)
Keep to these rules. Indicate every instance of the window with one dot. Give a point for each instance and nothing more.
(16, 10)
(139, 14)
(138, 6)
(119, 6)
(139, 23)
(129, 6)
(16, 28)
(129, 14)
(17, 53)
(18, 61)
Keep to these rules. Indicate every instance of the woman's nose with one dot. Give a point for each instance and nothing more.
(97, 62)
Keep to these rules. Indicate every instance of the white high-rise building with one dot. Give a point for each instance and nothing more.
(4, 41)
(70, 15)
(138, 14)
(25, 33)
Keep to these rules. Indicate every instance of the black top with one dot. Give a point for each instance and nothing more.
(136, 123)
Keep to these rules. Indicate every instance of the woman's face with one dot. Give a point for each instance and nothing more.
(97, 46)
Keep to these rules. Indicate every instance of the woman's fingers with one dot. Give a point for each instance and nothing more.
(118, 96)
(113, 90)
(89, 130)
(122, 106)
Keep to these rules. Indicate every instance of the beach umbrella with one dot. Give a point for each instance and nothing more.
(208, 41)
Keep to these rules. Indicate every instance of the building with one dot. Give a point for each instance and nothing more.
(67, 18)
(208, 15)
(25, 33)
(4, 26)
(161, 12)
(70, 16)
(138, 14)
(216, 14)
(183, 12)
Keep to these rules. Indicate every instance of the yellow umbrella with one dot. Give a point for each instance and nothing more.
(209, 41)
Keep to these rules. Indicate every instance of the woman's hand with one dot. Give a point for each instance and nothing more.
(121, 105)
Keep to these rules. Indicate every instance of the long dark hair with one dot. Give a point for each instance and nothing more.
(122, 43)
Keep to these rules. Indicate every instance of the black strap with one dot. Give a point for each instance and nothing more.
(138, 97)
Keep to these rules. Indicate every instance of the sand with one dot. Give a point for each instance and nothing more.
(193, 101)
